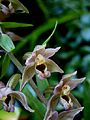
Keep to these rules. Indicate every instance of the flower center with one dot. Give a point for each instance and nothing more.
(41, 67)
(65, 98)
(66, 90)
(7, 100)
(39, 60)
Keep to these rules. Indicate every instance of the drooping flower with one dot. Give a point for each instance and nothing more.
(62, 95)
(8, 96)
(38, 62)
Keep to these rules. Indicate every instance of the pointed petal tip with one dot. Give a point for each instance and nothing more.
(82, 79)
(62, 71)
(58, 48)
(80, 109)
(32, 110)
(74, 73)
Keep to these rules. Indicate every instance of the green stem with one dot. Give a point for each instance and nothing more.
(16, 62)
(40, 95)
(33, 85)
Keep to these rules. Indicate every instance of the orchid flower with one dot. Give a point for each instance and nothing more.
(38, 62)
(62, 94)
(8, 96)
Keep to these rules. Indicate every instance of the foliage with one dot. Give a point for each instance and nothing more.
(72, 34)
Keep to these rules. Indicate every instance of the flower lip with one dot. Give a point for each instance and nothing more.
(7, 100)
(41, 67)
(65, 97)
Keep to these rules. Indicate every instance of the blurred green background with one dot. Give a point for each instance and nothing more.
(72, 34)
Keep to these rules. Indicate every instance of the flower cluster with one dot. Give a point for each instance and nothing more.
(39, 63)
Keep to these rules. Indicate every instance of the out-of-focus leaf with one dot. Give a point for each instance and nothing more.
(42, 84)
(75, 62)
(85, 62)
(14, 25)
(86, 98)
(35, 104)
(66, 55)
(85, 33)
(13, 81)
(6, 43)
(47, 26)
(17, 5)
(10, 116)
(85, 19)
(5, 65)
(13, 36)
(85, 49)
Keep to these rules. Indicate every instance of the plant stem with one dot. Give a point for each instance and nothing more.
(16, 62)
(40, 95)
(33, 85)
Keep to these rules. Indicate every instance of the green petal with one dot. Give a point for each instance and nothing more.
(53, 67)
(28, 73)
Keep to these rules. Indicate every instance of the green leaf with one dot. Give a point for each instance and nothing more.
(42, 84)
(14, 25)
(13, 81)
(5, 65)
(35, 104)
(6, 43)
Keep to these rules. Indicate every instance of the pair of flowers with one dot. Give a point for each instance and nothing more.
(38, 62)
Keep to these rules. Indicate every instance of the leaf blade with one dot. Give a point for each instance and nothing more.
(6, 43)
